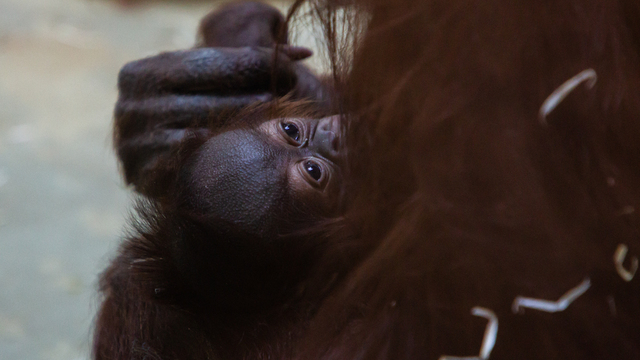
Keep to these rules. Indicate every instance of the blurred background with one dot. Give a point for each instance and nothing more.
(62, 202)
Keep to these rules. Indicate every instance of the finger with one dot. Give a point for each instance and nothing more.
(136, 153)
(135, 117)
(295, 53)
(142, 157)
(311, 87)
(221, 71)
(239, 24)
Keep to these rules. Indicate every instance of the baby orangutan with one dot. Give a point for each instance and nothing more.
(234, 192)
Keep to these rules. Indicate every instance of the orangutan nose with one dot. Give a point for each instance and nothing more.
(326, 139)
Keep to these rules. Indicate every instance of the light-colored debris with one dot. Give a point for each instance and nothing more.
(552, 306)
(618, 260)
(589, 76)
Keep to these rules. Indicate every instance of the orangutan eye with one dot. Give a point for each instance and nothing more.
(291, 130)
(313, 170)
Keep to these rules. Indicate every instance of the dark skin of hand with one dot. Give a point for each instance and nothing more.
(163, 97)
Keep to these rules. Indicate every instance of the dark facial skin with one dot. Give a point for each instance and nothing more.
(235, 65)
(251, 195)
(269, 177)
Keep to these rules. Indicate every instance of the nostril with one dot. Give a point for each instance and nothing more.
(326, 137)
(324, 126)
(335, 142)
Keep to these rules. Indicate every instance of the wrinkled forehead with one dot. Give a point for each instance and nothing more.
(237, 176)
(239, 146)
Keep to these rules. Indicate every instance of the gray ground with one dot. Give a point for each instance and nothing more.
(62, 202)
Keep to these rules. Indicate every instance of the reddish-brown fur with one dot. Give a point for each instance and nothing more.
(465, 199)
(457, 197)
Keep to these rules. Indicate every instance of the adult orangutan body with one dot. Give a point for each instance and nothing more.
(490, 206)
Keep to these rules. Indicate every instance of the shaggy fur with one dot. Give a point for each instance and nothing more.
(457, 196)
(476, 201)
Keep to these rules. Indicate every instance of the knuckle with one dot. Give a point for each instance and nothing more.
(129, 75)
